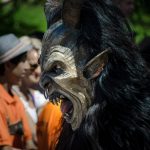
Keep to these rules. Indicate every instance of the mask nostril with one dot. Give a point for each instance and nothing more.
(46, 85)
(44, 81)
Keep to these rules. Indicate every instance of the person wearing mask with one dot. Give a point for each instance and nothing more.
(126, 6)
(14, 127)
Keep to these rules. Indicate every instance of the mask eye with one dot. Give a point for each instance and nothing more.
(56, 70)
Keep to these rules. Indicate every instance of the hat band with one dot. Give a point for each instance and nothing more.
(12, 52)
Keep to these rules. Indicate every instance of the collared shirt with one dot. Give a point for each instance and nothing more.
(12, 112)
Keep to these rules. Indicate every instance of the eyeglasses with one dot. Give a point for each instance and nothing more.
(33, 66)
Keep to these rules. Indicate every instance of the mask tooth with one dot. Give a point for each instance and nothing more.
(45, 95)
(61, 96)
(47, 91)
(66, 116)
(57, 100)
(53, 101)
(50, 100)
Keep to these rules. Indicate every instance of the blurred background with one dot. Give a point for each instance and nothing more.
(24, 17)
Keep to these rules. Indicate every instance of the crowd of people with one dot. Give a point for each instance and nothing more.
(27, 119)
(24, 111)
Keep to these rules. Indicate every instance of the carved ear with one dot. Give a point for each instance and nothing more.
(52, 10)
(71, 12)
(95, 66)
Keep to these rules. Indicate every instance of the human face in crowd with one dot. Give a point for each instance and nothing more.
(127, 7)
(33, 77)
(15, 72)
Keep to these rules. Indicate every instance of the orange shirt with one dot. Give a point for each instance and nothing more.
(11, 112)
(49, 127)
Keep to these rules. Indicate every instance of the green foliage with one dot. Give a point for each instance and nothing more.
(140, 20)
(30, 18)
(22, 18)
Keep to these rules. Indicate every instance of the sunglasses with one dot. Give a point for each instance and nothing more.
(34, 66)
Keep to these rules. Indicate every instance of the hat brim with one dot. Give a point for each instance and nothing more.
(14, 52)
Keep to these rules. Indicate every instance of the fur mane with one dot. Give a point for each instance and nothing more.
(119, 117)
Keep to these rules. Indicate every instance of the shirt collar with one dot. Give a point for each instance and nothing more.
(6, 96)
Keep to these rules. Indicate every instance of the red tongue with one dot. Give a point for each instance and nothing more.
(66, 106)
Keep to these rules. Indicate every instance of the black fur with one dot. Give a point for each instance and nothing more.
(119, 117)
